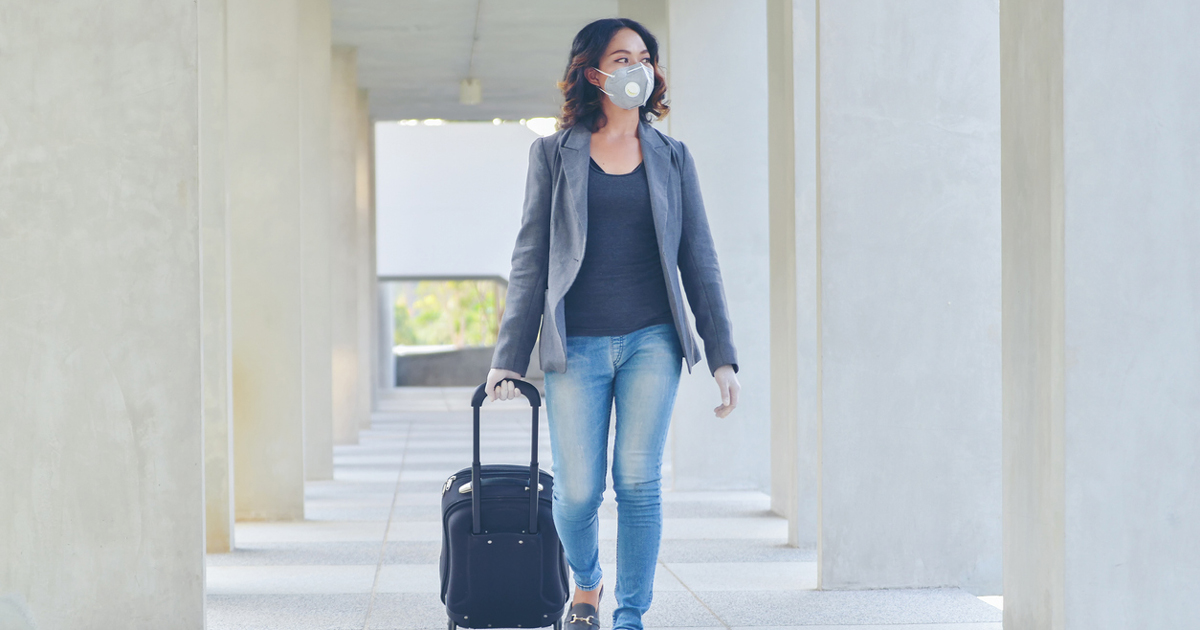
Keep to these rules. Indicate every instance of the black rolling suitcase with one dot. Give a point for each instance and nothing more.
(502, 565)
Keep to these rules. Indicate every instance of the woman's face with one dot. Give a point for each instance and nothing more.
(624, 49)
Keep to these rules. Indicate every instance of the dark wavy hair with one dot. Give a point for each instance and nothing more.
(582, 99)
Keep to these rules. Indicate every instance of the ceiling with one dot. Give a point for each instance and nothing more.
(412, 54)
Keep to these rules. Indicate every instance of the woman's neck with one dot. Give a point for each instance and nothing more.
(619, 122)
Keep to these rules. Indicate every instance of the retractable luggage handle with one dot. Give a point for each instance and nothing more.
(535, 401)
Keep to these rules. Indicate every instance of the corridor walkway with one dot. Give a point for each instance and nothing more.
(366, 557)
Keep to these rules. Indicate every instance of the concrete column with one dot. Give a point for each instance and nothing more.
(315, 26)
(387, 331)
(344, 246)
(731, 159)
(266, 217)
(1101, 294)
(365, 278)
(101, 318)
(214, 223)
(377, 374)
(795, 256)
(909, 274)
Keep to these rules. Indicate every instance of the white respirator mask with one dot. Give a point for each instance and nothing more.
(630, 87)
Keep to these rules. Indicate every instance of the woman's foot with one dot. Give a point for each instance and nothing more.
(583, 613)
(589, 597)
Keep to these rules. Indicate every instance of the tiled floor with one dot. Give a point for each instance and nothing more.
(366, 556)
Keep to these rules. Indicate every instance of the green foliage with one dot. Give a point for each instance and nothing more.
(459, 312)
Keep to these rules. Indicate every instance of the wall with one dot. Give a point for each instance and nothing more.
(449, 197)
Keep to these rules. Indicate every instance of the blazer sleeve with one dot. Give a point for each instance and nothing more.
(701, 275)
(530, 261)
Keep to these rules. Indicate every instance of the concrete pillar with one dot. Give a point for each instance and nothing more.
(731, 159)
(1101, 294)
(373, 269)
(266, 217)
(909, 297)
(102, 421)
(315, 27)
(795, 256)
(387, 331)
(214, 223)
(365, 278)
(344, 246)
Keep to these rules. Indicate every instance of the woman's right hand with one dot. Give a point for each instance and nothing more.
(504, 391)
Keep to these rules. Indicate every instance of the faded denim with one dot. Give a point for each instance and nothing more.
(640, 372)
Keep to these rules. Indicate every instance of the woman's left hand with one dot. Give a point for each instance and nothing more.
(728, 382)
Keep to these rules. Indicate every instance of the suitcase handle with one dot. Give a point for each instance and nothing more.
(535, 402)
(526, 388)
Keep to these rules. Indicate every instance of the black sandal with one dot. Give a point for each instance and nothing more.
(584, 616)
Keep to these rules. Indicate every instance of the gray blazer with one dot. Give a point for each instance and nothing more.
(550, 246)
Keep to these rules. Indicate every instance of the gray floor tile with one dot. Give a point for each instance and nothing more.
(724, 553)
(312, 579)
(298, 553)
(918, 626)
(734, 550)
(407, 611)
(672, 610)
(308, 532)
(287, 612)
(413, 552)
(907, 606)
(745, 576)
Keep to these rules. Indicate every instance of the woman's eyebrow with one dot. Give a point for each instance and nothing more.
(626, 52)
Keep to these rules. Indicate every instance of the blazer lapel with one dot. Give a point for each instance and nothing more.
(575, 163)
(657, 160)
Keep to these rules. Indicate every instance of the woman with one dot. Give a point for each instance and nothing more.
(613, 219)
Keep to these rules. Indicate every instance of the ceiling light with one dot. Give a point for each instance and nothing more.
(470, 92)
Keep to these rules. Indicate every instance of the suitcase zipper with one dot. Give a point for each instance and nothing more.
(448, 483)
(466, 487)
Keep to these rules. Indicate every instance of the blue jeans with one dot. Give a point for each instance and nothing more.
(641, 371)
